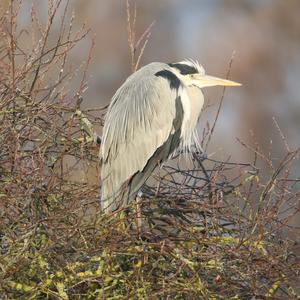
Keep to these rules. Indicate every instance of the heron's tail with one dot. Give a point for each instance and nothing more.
(112, 200)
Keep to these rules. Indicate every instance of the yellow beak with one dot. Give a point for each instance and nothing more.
(206, 81)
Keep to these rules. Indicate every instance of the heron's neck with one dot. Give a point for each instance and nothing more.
(192, 102)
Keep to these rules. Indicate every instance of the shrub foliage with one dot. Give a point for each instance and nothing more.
(215, 230)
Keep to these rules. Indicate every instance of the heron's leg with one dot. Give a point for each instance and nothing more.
(139, 221)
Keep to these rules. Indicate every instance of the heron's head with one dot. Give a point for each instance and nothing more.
(193, 74)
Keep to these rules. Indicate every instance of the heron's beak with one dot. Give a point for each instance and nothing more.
(206, 81)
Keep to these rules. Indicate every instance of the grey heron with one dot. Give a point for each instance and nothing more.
(154, 113)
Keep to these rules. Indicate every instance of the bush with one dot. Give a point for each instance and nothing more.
(216, 230)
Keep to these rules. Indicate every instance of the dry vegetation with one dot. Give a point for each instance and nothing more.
(218, 230)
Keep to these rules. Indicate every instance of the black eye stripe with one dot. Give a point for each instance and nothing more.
(184, 69)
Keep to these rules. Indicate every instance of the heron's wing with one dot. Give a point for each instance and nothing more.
(140, 120)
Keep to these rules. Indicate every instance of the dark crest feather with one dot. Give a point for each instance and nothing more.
(184, 69)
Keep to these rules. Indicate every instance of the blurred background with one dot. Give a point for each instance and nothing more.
(263, 34)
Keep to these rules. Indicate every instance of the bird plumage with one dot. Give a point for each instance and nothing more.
(151, 115)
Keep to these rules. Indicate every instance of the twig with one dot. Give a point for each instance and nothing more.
(220, 104)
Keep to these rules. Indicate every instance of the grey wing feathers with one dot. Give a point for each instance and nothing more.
(139, 121)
